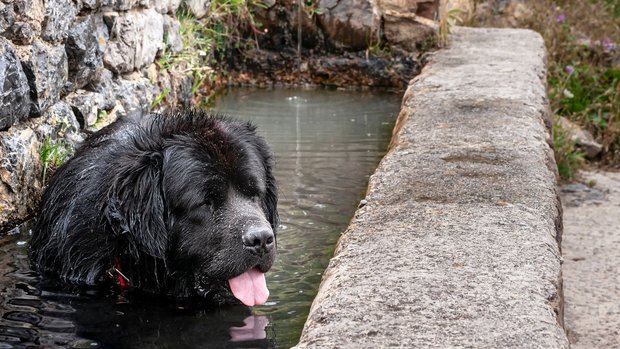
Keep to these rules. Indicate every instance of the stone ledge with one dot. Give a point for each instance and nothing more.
(458, 242)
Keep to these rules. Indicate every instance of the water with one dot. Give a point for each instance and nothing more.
(326, 143)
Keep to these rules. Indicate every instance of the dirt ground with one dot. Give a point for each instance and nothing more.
(591, 249)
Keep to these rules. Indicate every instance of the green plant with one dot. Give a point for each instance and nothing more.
(160, 98)
(207, 41)
(53, 154)
(312, 8)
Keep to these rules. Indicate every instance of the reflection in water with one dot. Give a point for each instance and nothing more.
(253, 329)
(326, 144)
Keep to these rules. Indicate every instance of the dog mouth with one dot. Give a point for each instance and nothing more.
(250, 287)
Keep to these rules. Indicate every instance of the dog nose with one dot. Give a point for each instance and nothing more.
(259, 240)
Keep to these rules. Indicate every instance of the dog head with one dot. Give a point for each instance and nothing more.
(194, 207)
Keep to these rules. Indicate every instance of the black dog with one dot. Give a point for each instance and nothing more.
(178, 204)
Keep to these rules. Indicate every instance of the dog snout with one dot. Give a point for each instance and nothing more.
(259, 240)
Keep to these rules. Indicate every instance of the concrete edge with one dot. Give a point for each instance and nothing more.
(330, 309)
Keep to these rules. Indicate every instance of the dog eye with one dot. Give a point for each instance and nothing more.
(208, 203)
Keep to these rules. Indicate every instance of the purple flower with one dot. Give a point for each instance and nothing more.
(561, 19)
(608, 45)
(570, 69)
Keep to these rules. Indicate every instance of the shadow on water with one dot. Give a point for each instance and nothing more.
(326, 143)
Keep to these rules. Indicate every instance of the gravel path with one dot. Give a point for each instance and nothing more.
(591, 248)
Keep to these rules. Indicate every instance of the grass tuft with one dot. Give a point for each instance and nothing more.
(53, 154)
(207, 41)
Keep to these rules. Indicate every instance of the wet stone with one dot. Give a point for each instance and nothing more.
(24, 334)
(349, 23)
(15, 103)
(135, 95)
(7, 16)
(135, 39)
(23, 316)
(86, 106)
(47, 70)
(85, 45)
(59, 15)
(19, 174)
(20, 33)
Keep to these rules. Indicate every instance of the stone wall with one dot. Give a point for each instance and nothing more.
(68, 67)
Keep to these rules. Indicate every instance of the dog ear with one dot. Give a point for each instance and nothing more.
(136, 205)
(270, 202)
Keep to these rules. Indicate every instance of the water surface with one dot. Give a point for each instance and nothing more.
(326, 143)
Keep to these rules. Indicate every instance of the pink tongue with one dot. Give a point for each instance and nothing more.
(250, 287)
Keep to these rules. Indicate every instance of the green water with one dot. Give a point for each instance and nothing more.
(327, 143)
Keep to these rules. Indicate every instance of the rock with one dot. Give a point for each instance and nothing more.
(280, 24)
(268, 3)
(20, 33)
(104, 85)
(59, 15)
(582, 138)
(20, 173)
(15, 102)
(86, 106)
(350, 24)
(135, 39)
(7, 16)
(85, 45)
(120, 5)
(47, 71)
(172, 36)
(90, 4)
(181, 88)
(407, 24)
(58, 122)
(32, 12)
(199, 8)
(135, 93)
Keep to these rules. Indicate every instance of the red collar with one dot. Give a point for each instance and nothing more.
(122, 279)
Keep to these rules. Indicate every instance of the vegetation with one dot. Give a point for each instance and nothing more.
(207, 41)
(582, 41)
(53, 154)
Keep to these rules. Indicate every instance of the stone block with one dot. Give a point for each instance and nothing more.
(85, 45)
(351, 24)
(458, 243)
(32, 12)
(86, 106)
(199, 8)
(15, 102)
(407, 24)
(135, 39)
(135, 93)
(59, 16)
(20, 174)
(47, 71)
